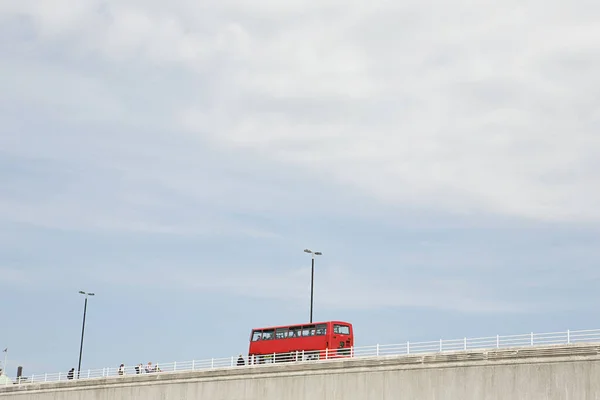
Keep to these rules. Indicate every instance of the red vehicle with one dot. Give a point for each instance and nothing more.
(319, 340)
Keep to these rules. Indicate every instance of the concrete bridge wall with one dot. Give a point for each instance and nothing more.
(559, 372)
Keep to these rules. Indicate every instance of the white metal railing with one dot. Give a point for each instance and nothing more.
(482, 343)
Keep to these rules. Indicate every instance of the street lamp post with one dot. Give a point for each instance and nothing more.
(312, 279)
(82, 328)
(3, 369)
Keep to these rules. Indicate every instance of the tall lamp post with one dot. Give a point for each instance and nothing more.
(3, 369)
(312, 278)
(82, 328)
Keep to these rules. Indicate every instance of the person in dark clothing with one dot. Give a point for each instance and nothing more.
(71, 373)
(241, 361)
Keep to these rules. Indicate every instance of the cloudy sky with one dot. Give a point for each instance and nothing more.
(176, 160)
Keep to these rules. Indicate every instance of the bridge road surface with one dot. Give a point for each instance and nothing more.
(566, 372)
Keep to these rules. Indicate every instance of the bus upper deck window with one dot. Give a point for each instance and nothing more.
(341, 329)
(267, 335)
(281, 334)
(321, 330)
(295, 332)
(308, 331)
(256, 336)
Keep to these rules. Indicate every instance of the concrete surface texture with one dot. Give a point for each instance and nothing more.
(558, 372)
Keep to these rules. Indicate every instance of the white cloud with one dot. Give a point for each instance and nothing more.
(336, 287)
(14, 277)
(456, 106)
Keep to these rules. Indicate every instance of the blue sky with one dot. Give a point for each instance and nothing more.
(177, 160)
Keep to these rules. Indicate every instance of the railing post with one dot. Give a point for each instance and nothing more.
(351, 351)
(407, 347)
(59, 376)
(497, 341)
(377, 351)
(194, 364)
(465, 344)
(174, 366)
(45, 377)
(568, 336)
(89, 372)
(532, 338)
(232, 361)
(32, 380)
(302, 355)
(441, 346)
(326, 354)
(212, 362)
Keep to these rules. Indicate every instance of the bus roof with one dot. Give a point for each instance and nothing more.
(299, 325)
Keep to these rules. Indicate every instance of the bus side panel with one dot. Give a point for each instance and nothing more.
(307, 344)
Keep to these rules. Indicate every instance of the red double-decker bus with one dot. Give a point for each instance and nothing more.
(319, 340)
